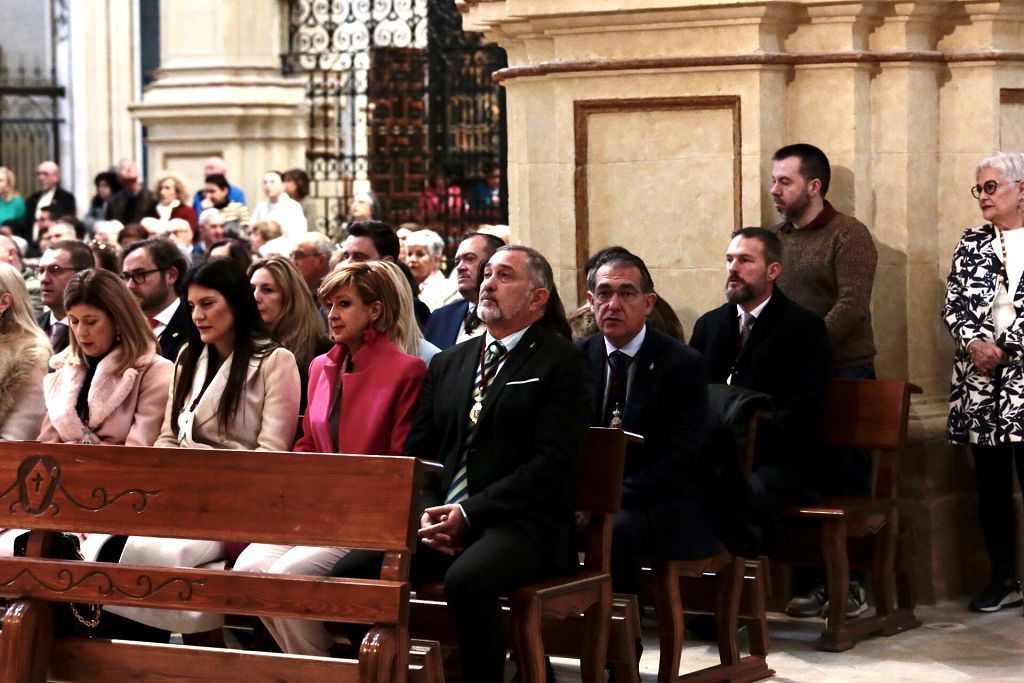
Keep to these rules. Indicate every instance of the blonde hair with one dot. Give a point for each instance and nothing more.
(107, 292)
(267, 230)
(300, 328)
(370, 284)
(12, 183)
(179, 185)
(18, 320)
(406, 334)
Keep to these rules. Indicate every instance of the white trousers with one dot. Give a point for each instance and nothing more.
(294, 636)
(170, 552)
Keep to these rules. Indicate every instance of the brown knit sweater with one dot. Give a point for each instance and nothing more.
(828, 267)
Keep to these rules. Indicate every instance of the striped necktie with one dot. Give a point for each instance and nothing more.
(458, 491)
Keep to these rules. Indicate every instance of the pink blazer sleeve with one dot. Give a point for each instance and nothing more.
(306, 443)
(407, 395)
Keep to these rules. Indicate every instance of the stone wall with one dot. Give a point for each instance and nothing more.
(651, 123)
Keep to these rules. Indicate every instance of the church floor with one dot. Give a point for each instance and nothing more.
(951, 645)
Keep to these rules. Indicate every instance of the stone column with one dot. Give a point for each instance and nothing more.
(650, 124)
(220, 91)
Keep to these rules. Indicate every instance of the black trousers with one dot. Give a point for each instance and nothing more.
(993, 468)
(499, 560)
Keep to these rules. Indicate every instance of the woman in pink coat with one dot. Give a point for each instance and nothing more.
(362, 400)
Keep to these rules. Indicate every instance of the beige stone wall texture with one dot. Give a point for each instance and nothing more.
(618, 135)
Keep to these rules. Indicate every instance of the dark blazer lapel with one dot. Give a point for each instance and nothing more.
(520, 354)
(457, 318)
(597, 363)
(644, 367)
(765, 322)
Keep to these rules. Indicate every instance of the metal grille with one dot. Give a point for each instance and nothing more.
(387, 114)
(30, 100)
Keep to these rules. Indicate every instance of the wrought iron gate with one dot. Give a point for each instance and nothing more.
(30, 99)
(400, 100)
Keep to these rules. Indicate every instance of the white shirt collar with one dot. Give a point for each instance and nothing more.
(164, 316)
(756, 312)
(508, 342)
(632, 347)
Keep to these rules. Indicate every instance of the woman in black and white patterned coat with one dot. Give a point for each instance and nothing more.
(985, 314)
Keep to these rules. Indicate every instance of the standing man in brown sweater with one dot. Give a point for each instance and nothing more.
(828, 267)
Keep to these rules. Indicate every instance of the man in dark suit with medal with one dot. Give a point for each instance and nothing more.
(650, 384)
(503, 414)
(761, 340)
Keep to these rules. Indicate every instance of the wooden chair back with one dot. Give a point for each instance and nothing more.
(599, 493)
(870, 415)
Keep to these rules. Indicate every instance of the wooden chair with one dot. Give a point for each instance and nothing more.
(867, 415)
(308, 499)
(724, 585)
(588, 593)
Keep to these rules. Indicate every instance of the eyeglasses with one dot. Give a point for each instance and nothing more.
(298, 255)
(989, 187)
(626, 295)
(53, 271)
(139, 276)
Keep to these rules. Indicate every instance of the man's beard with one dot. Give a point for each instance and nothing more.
(798, 207)
(739, 296)
(490, 312)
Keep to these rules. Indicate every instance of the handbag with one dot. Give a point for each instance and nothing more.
(69, 619)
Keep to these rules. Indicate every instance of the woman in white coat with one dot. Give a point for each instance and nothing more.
(233, 388)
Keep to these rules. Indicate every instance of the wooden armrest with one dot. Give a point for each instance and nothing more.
(842, 506)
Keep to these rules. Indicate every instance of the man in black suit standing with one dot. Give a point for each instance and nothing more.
(456, 322)
(51, 195)
(651, 384)
(154, 270)
(761, 340)
(57, 266)
(504, 416)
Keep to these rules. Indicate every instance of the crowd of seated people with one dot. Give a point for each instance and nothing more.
(202, 338)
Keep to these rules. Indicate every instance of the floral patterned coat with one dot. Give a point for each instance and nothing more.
(983, 410)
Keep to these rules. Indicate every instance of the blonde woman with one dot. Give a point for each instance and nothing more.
(406, 335)
(283, 301)
(12, 206)
(362, 399)
(24, 355)
(109, 385)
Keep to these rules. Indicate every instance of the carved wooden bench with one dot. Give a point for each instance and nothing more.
(318, 500)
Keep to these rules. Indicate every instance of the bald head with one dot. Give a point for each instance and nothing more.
(48, 175)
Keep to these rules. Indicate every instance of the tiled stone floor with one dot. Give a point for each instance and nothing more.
(952, 645)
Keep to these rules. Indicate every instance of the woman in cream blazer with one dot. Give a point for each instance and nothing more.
(232, 388)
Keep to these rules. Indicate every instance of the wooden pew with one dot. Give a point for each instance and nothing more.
(304, 499)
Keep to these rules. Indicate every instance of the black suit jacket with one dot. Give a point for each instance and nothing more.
(175, 334)
(787, 356)
(44, 323)
(667, 404)
(65, 202)
(443, 327)
(524, 455)
(117, 207)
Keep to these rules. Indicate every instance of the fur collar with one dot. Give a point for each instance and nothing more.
(18, 357)
(106, 393)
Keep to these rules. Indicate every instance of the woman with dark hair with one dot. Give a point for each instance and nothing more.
(233, 388)
(107, 184)
(362, 399)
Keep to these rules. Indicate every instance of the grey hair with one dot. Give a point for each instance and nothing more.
(1010, 165)
(426, 238)
(536, 265)
(320, 242)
